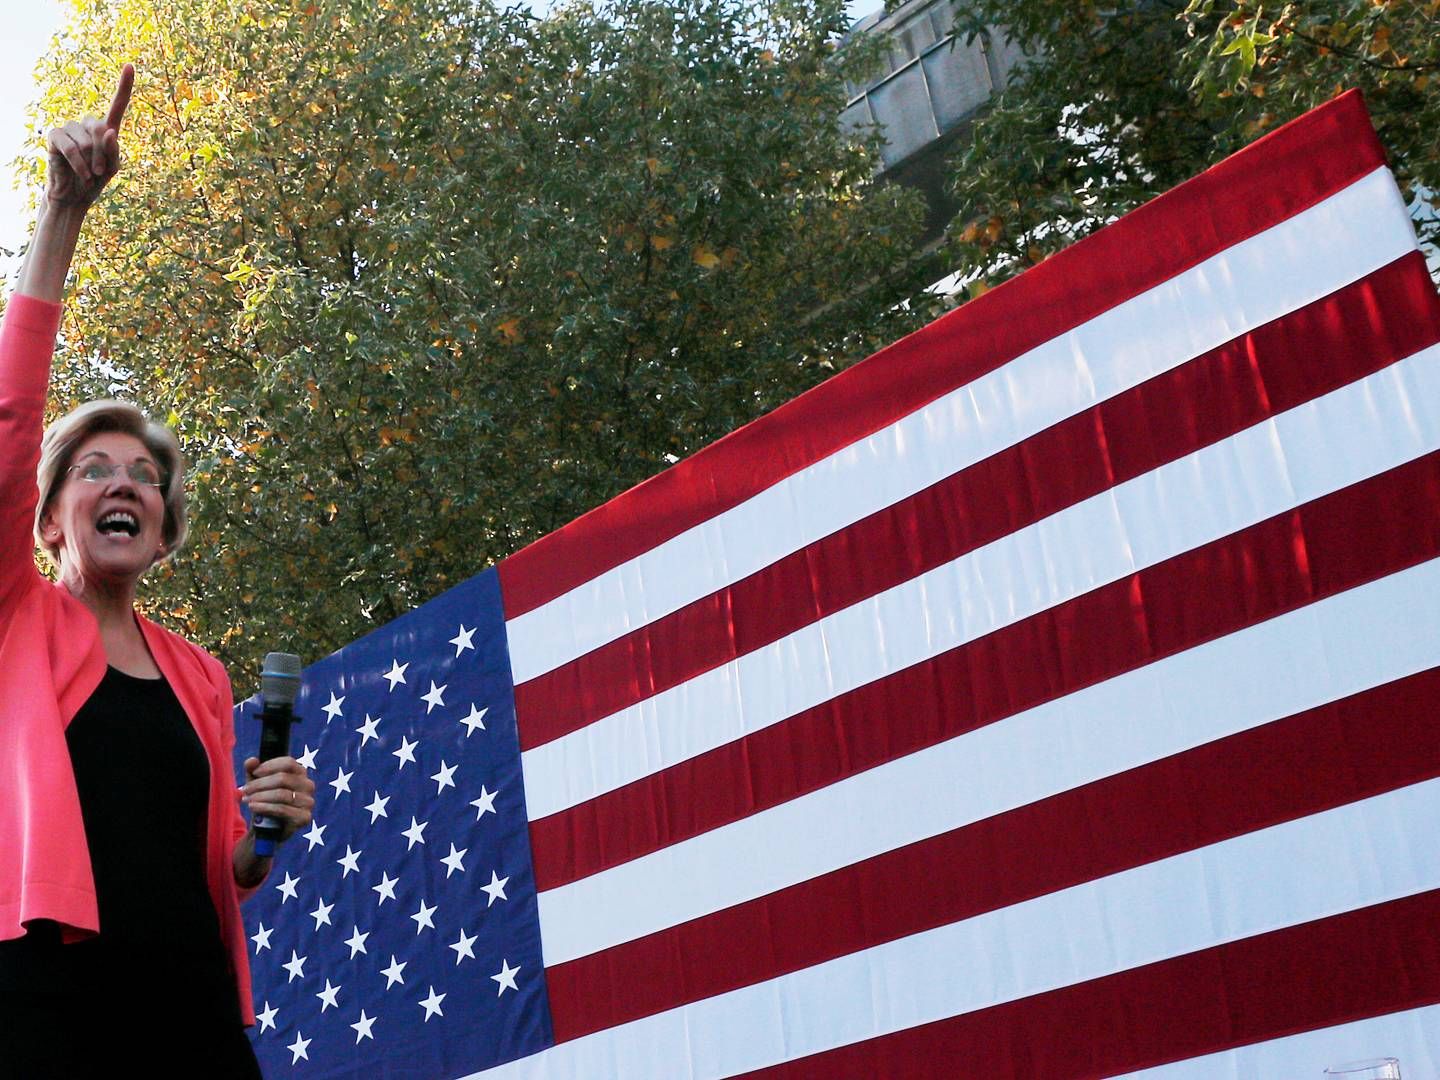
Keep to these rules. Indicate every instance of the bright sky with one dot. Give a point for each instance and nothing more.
(27, 31)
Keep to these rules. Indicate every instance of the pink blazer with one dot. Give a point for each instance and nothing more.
(51, 661)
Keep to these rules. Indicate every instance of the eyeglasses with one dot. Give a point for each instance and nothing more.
(101, 472)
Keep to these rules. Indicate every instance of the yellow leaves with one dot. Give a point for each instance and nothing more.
(1259, 124)
(985, 233)
(661, 243)
(315, 108)
(704, 258)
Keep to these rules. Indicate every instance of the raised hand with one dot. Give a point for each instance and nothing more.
(85, 154)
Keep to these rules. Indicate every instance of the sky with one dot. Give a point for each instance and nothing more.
(28, 28)
(27, 31)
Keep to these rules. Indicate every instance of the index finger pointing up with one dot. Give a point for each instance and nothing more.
(122, 97)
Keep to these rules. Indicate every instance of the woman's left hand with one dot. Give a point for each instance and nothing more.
(280, 790)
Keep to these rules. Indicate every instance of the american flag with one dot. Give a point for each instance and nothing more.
(1050, 695)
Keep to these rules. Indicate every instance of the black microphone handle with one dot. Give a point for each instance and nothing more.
(275, 721)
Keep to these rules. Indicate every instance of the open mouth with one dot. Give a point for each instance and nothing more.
(118, 523)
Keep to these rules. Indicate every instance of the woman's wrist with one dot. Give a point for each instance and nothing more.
(250, 869)
(65, 218)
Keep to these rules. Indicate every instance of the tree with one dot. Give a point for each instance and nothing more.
(1119, 102)
(417, 281)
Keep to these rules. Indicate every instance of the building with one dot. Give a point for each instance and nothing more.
(929, 88)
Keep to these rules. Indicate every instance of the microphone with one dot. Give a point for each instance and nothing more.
(279, 683)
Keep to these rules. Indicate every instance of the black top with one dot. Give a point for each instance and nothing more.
(144, 784)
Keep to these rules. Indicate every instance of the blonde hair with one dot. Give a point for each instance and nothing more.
(65, 435)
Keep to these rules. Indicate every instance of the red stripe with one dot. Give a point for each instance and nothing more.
(1331, 544)
(1364, 963)
(1317, 155)
(1359, 330)
(1325, 757)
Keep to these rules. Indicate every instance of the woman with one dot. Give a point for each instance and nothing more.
(123, 853)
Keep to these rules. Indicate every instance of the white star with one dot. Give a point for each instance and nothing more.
(485, 804)
(396, 674)
(506, 977)
(341, 783)
(287, 887)
(367, 731)
(377, 807)
(296, 966)
(333, 709)
(431, 1004)
(327, 996)
(356, 941)
(496, 888)
(462, 948)
(452, 861)
(307, 758)
(386, 888)
(298, 1048)
(394, 973)
(445, 777)
(415, 833)
(436, 696)
(261, 937)
(422, 918)
(267, 1017)
(362, 1028)
(406, 751)
(321, 914)
(350, 861)
(315, 834)
(476, 719)
(463, 640)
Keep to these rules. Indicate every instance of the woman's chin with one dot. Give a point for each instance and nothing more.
(115, 562)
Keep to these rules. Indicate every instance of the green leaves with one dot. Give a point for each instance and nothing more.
(1114, 108)
(418, 281)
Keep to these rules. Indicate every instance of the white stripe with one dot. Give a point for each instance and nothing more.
(1352, 433)
(1308, 256)
(1333, 648)
(1355, 856)
(1412, 1036)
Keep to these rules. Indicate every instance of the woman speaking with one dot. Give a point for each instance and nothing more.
(123, 852)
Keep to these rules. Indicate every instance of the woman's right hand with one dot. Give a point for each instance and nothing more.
(85, 154)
